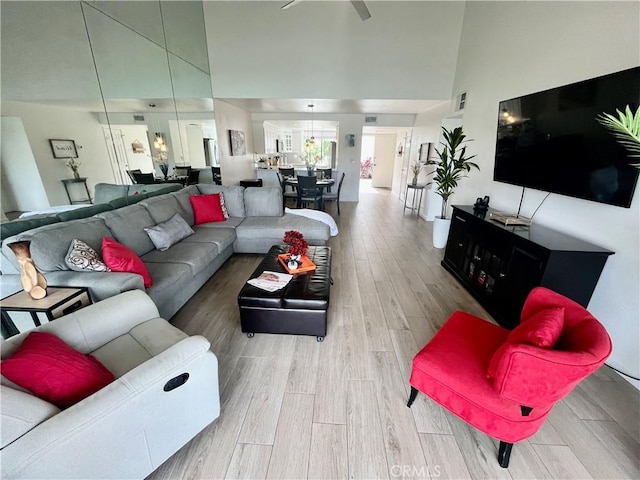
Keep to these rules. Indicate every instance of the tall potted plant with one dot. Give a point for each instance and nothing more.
(453, 164)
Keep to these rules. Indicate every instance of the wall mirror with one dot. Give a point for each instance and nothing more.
(114, 77)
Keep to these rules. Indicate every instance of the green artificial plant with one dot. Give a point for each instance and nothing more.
(626, 128)
(453, 164)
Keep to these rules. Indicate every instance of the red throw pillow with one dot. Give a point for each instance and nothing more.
(207, 208)
(54, 371)
(120, 258)
(542, 329)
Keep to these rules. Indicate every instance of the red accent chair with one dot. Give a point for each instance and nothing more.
(504, 383)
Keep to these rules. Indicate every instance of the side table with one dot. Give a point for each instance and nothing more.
(416, 188)
(70, 181)
(58, 302)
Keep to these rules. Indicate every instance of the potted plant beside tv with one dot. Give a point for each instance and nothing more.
(452, 165)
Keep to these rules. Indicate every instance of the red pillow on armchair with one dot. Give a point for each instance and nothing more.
(542, 329)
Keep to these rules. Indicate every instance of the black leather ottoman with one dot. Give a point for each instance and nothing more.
(300, 308)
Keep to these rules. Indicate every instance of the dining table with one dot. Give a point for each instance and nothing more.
(322, 184)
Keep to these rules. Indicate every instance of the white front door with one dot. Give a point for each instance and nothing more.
(383, 157)
(117, 154)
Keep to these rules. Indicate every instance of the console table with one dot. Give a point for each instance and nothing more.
(416, 188)
(499, 265)
(70, 181)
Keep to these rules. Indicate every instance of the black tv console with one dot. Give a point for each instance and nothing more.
(499, 265)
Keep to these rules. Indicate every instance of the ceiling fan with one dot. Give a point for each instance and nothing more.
(359, 5)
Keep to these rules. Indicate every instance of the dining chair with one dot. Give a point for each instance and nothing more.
(309, 192)
(194, 176)
(335, 196)
(131, 172)
(288, 172)
(182, 171)
(505, 383)
(144, 178)
(217, 176)
(285, 194)
(324, 173)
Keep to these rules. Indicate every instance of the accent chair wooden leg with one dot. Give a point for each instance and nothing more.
(412, 396)
(504, 453)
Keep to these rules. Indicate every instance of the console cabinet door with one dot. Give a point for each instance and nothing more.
(526, 267)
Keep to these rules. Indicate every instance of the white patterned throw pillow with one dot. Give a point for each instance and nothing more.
(225, 212)
(82, 258)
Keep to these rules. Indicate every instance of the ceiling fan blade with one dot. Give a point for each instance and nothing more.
(361, 8)
(289, 4)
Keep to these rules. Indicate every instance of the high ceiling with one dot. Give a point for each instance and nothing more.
(298, 105)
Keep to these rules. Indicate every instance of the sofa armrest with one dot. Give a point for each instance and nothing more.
(91, 327)
(132, 418)
(101, 284)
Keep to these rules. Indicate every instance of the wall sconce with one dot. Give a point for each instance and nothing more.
(351, 140)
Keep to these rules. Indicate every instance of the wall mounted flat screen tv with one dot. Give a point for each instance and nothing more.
(551, 140)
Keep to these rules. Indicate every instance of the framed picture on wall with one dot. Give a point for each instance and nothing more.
(63, 148)
(236, 139)
(425, 151)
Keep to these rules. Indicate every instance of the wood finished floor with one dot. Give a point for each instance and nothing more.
(295, 408)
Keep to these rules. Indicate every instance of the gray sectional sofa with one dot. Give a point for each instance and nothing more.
(256, 222)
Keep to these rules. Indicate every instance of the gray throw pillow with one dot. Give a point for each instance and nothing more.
(168, 233)
(82, 258)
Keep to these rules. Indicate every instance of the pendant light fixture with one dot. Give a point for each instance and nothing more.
(309, 143)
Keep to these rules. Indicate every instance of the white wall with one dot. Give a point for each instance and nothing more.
(324, 50)
(513, 48)
(22, 188)
(238, 167)
(42, 123)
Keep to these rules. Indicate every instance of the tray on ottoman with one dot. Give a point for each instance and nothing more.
(300, 308)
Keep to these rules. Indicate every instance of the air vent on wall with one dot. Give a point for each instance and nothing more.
(462, 99)
(138, 118)
(370, 119)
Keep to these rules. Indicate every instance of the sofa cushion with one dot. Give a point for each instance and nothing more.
(127, 225)
(54, 371)
(120, 258)
(14, 227)
(222, 237)
(231, 222)
(167, 276)
(50, 244)
(141, 343)
(263, 202)
(82, 258)
(274, 227)
(168, 233)
(182, 196)
(162, 207)
(197, 256)
(21, 412)
(207, 208)
(83, 212)
(126, 201)
(233, 197)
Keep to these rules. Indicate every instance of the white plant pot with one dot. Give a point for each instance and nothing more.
(441, 231)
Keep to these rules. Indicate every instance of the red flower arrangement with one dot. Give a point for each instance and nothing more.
(297, 244)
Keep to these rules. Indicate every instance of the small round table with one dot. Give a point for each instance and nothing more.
(416, 188)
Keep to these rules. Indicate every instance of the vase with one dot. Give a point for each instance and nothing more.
(165, 170)
(33, 282)
(415, 180)
(441, 231)
(76, 174)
